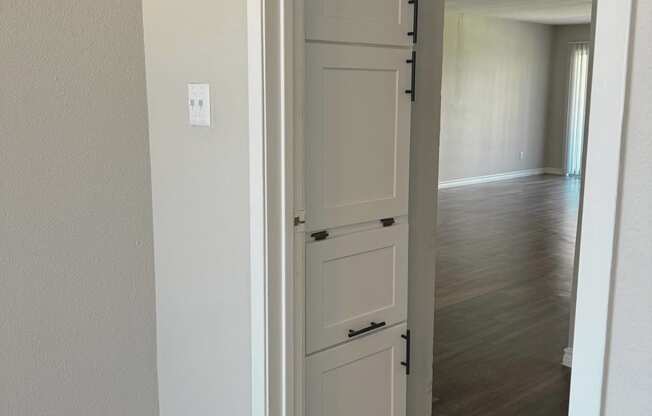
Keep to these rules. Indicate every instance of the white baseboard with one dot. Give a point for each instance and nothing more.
(567, 360)
(454, 183)
(553, 171)
(491, 178)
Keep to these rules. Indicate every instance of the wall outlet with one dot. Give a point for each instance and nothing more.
(199, 105)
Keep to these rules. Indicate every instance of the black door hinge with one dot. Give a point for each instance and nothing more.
(298, 221)
(321, 235)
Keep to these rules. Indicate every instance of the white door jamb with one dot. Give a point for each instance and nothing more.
(611, 43)
(270, 43)
(271, 208)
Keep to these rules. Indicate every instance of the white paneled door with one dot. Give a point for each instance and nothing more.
(357, 134)
(364, 378)
(382, 22)
(354, 141)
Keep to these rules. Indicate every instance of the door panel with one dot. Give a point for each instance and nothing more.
(354, 280)
(383, 22)
(357, 134)
(362, 378)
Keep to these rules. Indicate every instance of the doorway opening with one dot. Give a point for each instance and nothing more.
(514, 103)
(287, 369)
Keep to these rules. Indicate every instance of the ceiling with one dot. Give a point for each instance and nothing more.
(552, 12)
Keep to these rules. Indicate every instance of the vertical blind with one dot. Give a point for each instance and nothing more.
(577, 96)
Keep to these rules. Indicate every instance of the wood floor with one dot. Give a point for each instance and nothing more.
(504, 270)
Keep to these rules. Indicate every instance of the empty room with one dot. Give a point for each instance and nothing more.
(514, 98)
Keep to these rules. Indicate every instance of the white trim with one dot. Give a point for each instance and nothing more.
(257, 211)
(553, 171)
(612, 24)
(299, 322)
(299, 381)
(271, 194)
(287, 212)
(474, 180)
(454, 183)
(567, 359)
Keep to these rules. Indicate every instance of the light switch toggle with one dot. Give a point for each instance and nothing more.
(199, 105)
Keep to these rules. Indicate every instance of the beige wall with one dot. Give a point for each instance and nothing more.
(629, 357)
(77, 323)
(495, 91)
(558, 102)
(201, 206)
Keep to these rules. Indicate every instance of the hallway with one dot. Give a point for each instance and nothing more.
(504, 268)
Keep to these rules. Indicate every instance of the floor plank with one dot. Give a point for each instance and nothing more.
(504, 268)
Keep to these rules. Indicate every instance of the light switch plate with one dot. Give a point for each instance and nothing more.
(199, 105)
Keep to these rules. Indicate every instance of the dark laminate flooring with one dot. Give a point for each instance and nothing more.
(504, 267)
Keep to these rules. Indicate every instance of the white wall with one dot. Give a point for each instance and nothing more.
(629, 356)
(558, 101)
(495, 92)
(201, 206)
(77, 323)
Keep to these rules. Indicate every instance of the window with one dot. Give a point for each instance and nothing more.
(577, 96)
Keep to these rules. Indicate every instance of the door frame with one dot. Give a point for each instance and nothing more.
(270, 57)
(610, 47)
(270, 29)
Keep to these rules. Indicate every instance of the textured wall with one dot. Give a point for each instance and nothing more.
(77, 324)
(201, 206)
(494, 96)
(629, 358)
(559, 78)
